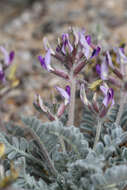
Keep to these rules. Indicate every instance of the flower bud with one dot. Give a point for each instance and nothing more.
(61, 110)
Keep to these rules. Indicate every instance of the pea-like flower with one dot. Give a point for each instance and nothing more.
(102, 70)
(89, 50)
(46, 61)
(66, 45)
(109, 60)
(109, 95)
(65, 93)
(8, 57)
(7, 60)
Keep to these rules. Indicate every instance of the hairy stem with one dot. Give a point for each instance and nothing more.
(98, 133)
(72, 102)
(44, 152)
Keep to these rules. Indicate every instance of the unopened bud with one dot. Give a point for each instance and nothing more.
(38, 102)
(47, 45)
(94, 103)
(103, 111)
(39, 105)
(61, 74)
(118, 73)
(61, 110)
(79, 67)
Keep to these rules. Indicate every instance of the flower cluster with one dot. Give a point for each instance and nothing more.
(73, 51)
(5, 62)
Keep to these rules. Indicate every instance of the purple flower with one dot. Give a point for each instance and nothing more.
(123, 58)
(64, 93)
(98, 69)
(109, 95)
(84, 44)
(102, 70)
(66, 45)
(88, 39)
(45, 61)
(95, 52)
(68, 90)
(109, 60)
(8, 57)
(87, 46)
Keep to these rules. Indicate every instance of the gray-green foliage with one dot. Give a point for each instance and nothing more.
(68, 152)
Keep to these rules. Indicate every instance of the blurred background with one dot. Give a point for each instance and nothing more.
(24, 23)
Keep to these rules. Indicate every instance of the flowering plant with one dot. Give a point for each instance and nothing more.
(58, 155)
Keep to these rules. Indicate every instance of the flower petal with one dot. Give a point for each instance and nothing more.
(109, 95)
(64, 94)
(66, 45)
(85, 46)
(48, 60)
(95, 52)
(104, 71)
(98, 69)
(104, 89)
(45, 62)
(11, 56)
(88, 39)
(123, 58)
(83, 95)
(68, 90)
(8, 57)
(109, 60)
(42, 61)
(105, 101)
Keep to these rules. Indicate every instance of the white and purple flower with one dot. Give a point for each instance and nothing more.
(8, 57)
(65, 93)
(7, 60)
(46, 61)
(66, 45)
(109, 95)
(87, 47)
(103, 69)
